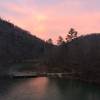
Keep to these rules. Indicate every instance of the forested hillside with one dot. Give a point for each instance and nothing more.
(18, 45)
(80, 56)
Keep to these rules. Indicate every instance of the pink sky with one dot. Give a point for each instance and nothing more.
(51, 18)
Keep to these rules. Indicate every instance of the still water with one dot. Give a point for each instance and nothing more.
(43, 88)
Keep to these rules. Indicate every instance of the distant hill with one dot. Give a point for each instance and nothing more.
(80, 56)
(17, 44)
(84, 50)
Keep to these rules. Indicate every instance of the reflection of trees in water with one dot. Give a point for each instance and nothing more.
(6, 86)
(75, 90)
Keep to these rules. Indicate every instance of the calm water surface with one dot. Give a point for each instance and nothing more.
(42, 88)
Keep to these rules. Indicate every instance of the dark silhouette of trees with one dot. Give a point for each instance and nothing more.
(60, 41)
(81, 56)
(17, 45)
(71, 35)
(50, 41)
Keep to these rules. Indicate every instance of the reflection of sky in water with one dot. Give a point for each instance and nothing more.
(42, 88)
(39, 85)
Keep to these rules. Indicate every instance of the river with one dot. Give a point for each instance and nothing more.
(43, 88)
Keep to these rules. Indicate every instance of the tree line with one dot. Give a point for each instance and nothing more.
(72, 34)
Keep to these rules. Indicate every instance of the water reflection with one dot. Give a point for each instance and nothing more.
(42, 88)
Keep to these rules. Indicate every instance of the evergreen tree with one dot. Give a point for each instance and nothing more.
(50, 41)
(71, 34)
(60, 40)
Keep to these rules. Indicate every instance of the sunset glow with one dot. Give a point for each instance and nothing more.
(51, 18)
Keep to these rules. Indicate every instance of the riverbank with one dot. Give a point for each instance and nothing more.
(71, 76)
